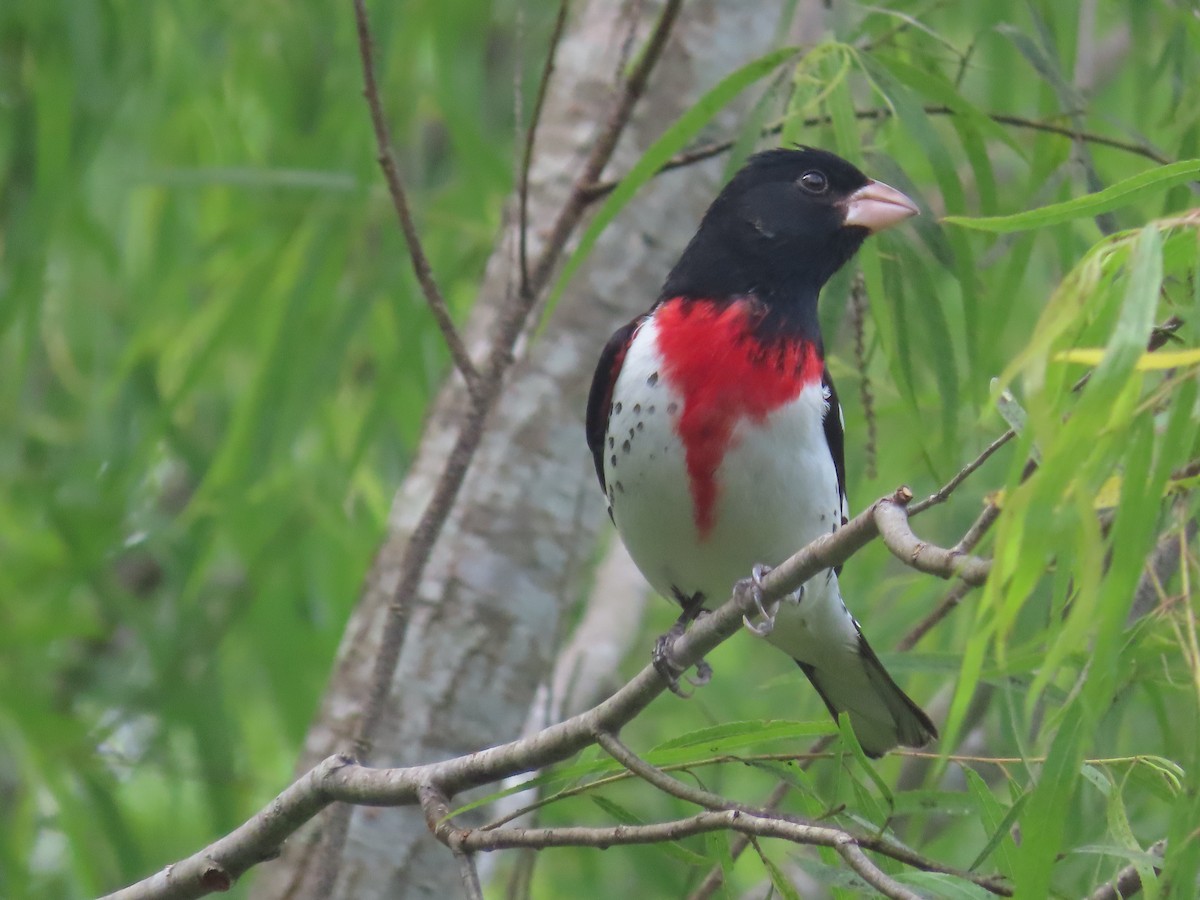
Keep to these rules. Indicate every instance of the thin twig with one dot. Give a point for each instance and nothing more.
(943, 493)
(436, 807)
(948, 604)
(1160, 336)
(391, 173)
(707, 151)
(858, 324)
(535, 118)
(615, 748)
(848, 846)
(803, 759)
(601, 152)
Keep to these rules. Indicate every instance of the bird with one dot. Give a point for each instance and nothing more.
(715, 427)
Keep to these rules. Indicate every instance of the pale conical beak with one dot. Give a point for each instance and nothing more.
(876, 206)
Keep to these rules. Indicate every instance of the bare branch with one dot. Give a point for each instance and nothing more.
(943, 493)
(846, 845)
(716, 875)
(436, 807)
(391, 173)
(858, 323)
(1162, 562)
(747, 822)
(593, 167)
(615, 748)
(339, 779)
(891, 517)
(535, 117)
(948, 604)
(1128, 881)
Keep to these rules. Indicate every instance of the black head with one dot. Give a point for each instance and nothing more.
(783, 225)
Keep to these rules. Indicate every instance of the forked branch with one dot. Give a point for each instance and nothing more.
(339, 778)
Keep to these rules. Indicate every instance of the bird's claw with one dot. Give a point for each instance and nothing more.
(666, 666)
(704, 674)
(766, 623)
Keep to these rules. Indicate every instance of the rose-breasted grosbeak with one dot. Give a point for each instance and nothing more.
(716, 431)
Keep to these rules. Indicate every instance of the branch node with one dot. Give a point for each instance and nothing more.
(215, 878)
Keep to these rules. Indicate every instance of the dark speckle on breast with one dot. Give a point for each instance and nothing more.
(672, 407)
(653, 379)
(620, 487)
(617, 407)
(613, 459)
(650, 410)
(640, 426)
(611, 442)
(637, 409)
(625, 446)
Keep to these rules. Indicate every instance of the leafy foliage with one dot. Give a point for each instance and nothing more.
(213, 362)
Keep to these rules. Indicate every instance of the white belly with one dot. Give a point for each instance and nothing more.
(776, 484)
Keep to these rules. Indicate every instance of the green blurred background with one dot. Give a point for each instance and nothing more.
(214, 363)
(213, 367)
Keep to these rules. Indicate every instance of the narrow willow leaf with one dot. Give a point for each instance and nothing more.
(850, 740)
(735, 735)
(938, 89)
(1162, 359)
(996, 820)
(1120, 194)
(1118, 824)
(1042, 822)
(778, 880)
(672, 140)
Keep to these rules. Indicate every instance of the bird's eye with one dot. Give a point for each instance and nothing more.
(814, 182)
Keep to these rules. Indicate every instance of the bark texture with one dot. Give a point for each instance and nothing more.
(514, 557)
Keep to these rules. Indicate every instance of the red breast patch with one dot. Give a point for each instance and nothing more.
(724, 374)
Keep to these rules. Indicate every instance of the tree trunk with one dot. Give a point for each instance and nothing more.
(514, 556)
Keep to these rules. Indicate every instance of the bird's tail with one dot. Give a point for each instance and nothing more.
(883, 716)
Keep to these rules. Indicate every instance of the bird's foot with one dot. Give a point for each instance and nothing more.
(665, 664)
(766, 617)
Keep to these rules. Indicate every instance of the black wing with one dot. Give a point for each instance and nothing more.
(600, 396)
(836, 438)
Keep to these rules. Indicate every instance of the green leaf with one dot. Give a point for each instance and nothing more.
(850, 740)
(778, 880)
(996, 821)
(1120, 194)
(736, 735)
